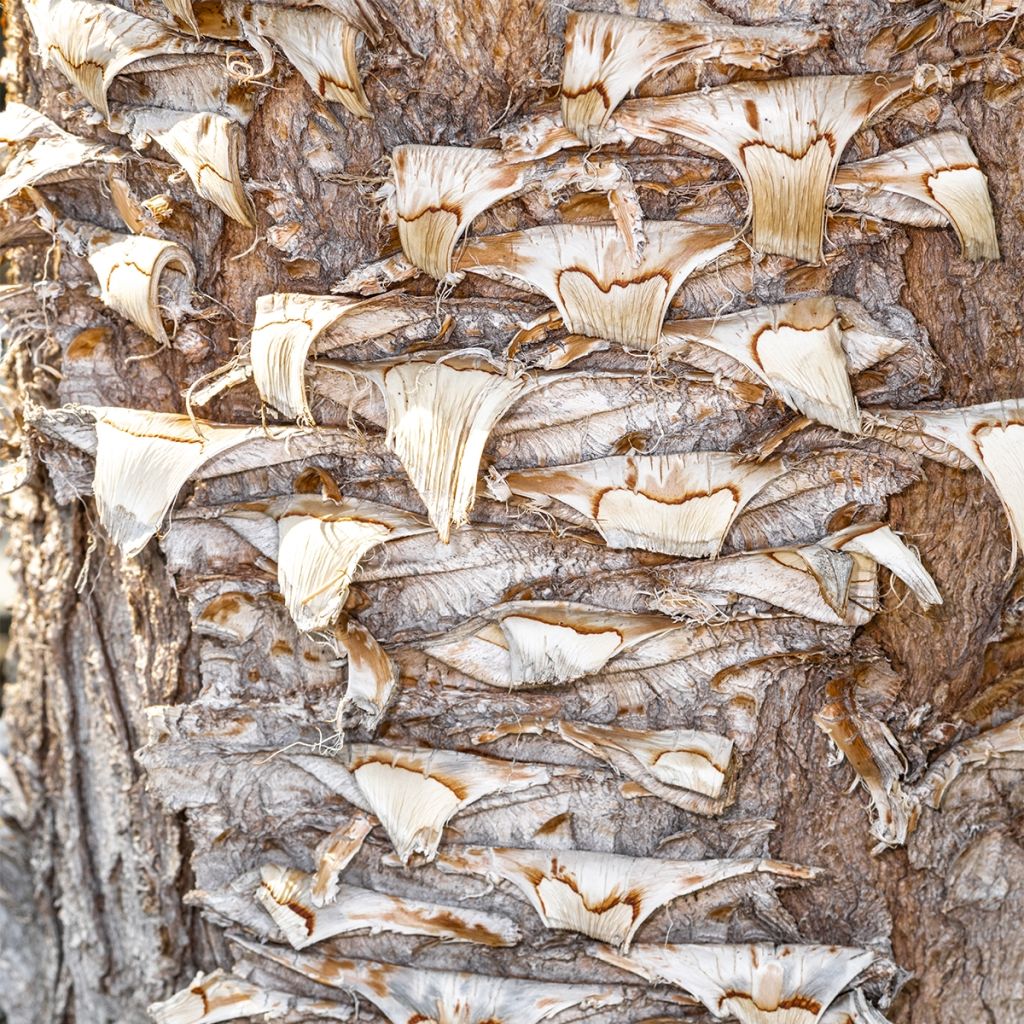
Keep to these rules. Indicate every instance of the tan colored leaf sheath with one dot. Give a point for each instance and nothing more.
(991, 436)
(411, 995)
(938, 174)
(372, 677)
(676, 504)
(334, 854)
(796, 348)
(603, 895)
(92, 43)
(539, 643)
(441, 409)
(322, 47)
(439, 190)
(210, 148)
(289, 327)
(317, 544)
(608, 55)
(588, 271)
(36, 151)
(143, 459)
(757, 983)
(131, 271)
(784, 137)
(286, 894)
(217, 997)
(414, 792)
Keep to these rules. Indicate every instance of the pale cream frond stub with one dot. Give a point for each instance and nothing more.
(441, 408)
(334, 854)
(416, 792)
(983, 11)
(143, 459)
(837, 588)
(411, 995)
(36, 151)
(991, 436)
(541, 643)
(91, 43)
(317, 545)
(590, 273)
(138, 275)
(680, 758)
(604, 895)
(675, 504)
(217, 997)
(757, 983)
(937, 173)
(322, 47)
(878, 542)
(439, 190)
(210, 148)
(796, 348)
(290, 326)
(785, 138)
(372, 677)
(286, 894)
(608, 55)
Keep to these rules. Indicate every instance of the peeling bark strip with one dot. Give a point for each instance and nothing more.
(636, 555)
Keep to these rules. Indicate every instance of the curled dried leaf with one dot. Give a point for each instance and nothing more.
(323, 48)
(414, 793)
(139, 276)
(608, 55)
(143, 459)
(934, 180)
(286, 894)
(677, 504)
(1003, 745)
(334, 854)
(589, 272)
(864, 740)
(677, 758)
(757, 983)
(217, 997)
(796, 348)
(539, 643)
(372, 677)
(36, 151)
(604, 895)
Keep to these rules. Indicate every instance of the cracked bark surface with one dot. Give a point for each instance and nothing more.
(123, 830)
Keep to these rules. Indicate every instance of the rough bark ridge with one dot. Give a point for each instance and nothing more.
(163, 739)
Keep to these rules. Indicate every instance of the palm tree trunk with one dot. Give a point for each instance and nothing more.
(151, 754)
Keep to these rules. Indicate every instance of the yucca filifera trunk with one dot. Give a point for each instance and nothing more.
(594, 680)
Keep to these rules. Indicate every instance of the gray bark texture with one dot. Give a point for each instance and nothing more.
(167, 729)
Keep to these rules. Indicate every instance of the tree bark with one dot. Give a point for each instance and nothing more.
(150, 761)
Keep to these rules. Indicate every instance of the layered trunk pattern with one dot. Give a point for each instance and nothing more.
(516, 512)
